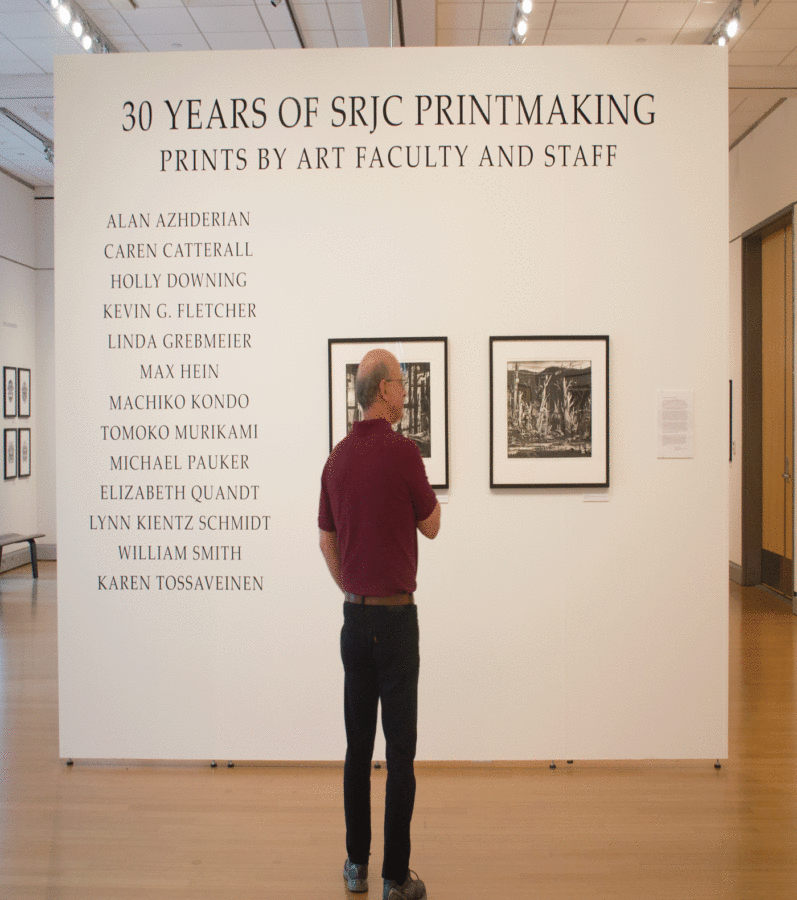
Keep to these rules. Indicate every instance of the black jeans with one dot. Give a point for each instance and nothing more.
(379, 648)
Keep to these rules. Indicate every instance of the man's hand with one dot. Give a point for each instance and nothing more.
(429, 527)
(328, 541)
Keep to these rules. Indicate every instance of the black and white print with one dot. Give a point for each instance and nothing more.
(549, 408)
(9, 392)
(10, 451)
(23, 453)
(23, 393)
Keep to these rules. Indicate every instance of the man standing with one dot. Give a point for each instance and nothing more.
(375, 497)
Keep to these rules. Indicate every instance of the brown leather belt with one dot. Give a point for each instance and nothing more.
(400, 599)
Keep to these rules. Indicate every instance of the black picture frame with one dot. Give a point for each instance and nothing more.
(10, 453)
(23, 393)
(424, 361)
(23, 452)
(549, 411)
(9, 392)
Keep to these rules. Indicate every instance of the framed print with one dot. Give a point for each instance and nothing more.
(23, 393)
(424, 362)
(10, 452)
(23, 452)
(549, 412)
(9, 392)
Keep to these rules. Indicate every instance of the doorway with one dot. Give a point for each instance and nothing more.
(768, 407)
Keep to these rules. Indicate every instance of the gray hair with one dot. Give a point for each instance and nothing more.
(366, 387)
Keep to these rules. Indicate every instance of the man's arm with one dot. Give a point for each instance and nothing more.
(430, 526)
(329, 548)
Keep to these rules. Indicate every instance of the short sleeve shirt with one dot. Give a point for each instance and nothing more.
(374, 491)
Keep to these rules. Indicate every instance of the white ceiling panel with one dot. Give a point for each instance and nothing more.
(655, 15)
(499, 16)
(320, 39)
(777, 15)
(459, 16)
(740, 58)
(759, 40)
(110, 22)
(561, 37)
(347, 16)
(495, 37)
(275, 18)
(37, 22)
(248, 41)
(351, 38)
(161, 43)
(192, 5)
(129, 44)
(632, 36)
(13, 61)
(583, 16)
(233, 19)
(148, 4)
(762, 77)
(44, 50)
(313, 17)
(705, 15)
(453, 38)
(285, 40)
(168, 20)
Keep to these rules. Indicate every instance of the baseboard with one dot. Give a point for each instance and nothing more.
(735, 573)
(47, 551)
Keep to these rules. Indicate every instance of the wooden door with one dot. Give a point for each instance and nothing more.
(777, 410)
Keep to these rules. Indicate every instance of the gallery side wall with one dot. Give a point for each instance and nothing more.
(18, 496)
(763, 183)
(45, 380)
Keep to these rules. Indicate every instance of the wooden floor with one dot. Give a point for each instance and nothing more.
(674, 830)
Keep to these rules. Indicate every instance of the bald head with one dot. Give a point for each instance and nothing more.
(376, 366)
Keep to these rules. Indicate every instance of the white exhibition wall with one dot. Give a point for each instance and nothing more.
(555, 623)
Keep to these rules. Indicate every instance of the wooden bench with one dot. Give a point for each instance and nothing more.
(6, 539)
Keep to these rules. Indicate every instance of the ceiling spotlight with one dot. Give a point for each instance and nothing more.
(86, 42)
(64, 15)
(525, 6)
(732, 27)
(522, 27)
(722, 40)
(77, 28)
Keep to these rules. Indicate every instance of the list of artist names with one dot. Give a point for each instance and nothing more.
(177, 498)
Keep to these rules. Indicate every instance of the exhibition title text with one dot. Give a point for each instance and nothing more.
(385, 115)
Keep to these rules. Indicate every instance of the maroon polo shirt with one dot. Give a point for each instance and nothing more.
(374, 491)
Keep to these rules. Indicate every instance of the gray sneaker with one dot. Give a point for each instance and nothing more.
(412, 889)
(356, 876)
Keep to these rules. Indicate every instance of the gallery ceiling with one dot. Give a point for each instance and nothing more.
(762, 57)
